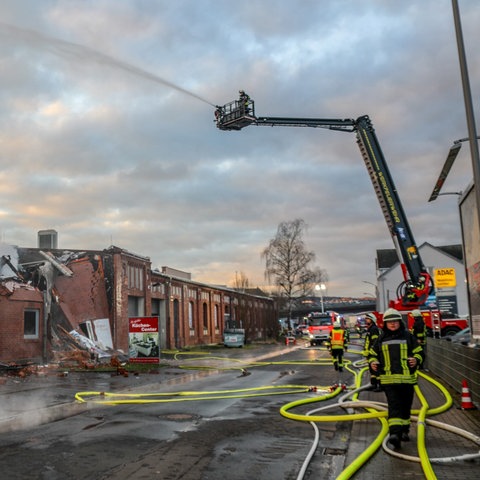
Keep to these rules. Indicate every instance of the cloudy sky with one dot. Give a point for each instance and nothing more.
(107, 133)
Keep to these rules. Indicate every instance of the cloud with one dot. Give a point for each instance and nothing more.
(107, 133)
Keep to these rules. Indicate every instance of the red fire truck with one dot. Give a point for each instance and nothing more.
(414, 290)
(437, 324)
(320, 324)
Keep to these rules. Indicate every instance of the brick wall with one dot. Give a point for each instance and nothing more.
(13, 345)
(83, 296)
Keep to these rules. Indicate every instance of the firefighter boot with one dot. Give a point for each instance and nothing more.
(378, 387)
(394, 441)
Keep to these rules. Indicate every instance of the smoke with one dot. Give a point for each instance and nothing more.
(74, 51)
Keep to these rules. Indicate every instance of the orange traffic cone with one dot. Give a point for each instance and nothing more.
(467, 403)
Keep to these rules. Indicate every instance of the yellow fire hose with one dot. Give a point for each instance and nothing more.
(375, 410)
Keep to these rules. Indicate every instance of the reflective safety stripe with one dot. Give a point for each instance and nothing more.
(398, 422)
(402, 349)
(397, 378)
(337, 338)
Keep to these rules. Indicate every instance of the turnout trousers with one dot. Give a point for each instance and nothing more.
(400, 399)
(337, 357)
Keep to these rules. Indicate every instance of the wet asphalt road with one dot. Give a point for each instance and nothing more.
(45, 434)
(234, 438)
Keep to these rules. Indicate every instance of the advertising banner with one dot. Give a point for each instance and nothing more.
(143, 340)
(447, 304)
(444, 278)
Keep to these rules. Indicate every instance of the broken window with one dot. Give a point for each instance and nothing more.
(30, 323)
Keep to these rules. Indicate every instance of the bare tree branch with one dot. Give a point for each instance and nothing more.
(287, 262)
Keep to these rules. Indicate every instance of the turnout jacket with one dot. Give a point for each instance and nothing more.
(371, 336)
(338, 339)
(419, 330)
(392, 350)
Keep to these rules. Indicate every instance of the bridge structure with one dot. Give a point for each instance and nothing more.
(347, 308)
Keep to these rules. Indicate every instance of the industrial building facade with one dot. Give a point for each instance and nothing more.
(46, 294)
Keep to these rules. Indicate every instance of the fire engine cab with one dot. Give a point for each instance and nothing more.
(320, 324)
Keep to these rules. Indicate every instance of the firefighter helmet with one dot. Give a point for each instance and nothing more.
(371, 316)
(337, 324)
(392, 315)
(416, 313)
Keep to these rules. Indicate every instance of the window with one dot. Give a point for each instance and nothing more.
(215, 316)
(136, 306)
(135, 277)
(190, 315)
(205, 316)
(30, 323)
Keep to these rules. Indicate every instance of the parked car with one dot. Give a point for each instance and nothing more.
(463, 336)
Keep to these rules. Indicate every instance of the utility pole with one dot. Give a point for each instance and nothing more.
(467, 95)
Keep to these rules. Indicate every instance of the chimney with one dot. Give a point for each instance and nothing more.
(47, 239)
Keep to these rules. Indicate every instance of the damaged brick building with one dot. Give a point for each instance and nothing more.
(46, 294)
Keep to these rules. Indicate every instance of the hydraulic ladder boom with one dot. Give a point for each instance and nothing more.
(416, 287)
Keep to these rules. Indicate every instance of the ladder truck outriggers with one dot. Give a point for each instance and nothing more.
(414, 290)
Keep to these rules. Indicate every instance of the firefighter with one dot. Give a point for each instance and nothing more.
(419, 331)
(218, 113)
(371, 334)
(244, 101)
(337, 343)
(395, 357)
(343, 324)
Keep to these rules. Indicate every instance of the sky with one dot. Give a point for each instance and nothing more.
(107, 132)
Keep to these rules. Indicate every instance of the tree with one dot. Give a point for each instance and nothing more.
(241, 282)
(287, 262)
(310, 279)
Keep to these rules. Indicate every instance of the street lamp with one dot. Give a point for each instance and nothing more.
(376, 291)
(320, 288)
(372, 284)
(452, 155)
(467, 96)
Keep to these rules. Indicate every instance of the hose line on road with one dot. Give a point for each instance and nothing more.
(107, 398)
(379, 410)
(224, 364)
(372, 410)
(376, 410)
(245, 365)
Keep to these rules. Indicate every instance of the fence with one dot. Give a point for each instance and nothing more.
(454, 363)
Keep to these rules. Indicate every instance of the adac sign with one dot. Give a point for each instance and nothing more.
(444, 277)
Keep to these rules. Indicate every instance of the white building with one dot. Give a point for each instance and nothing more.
(445, 265)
